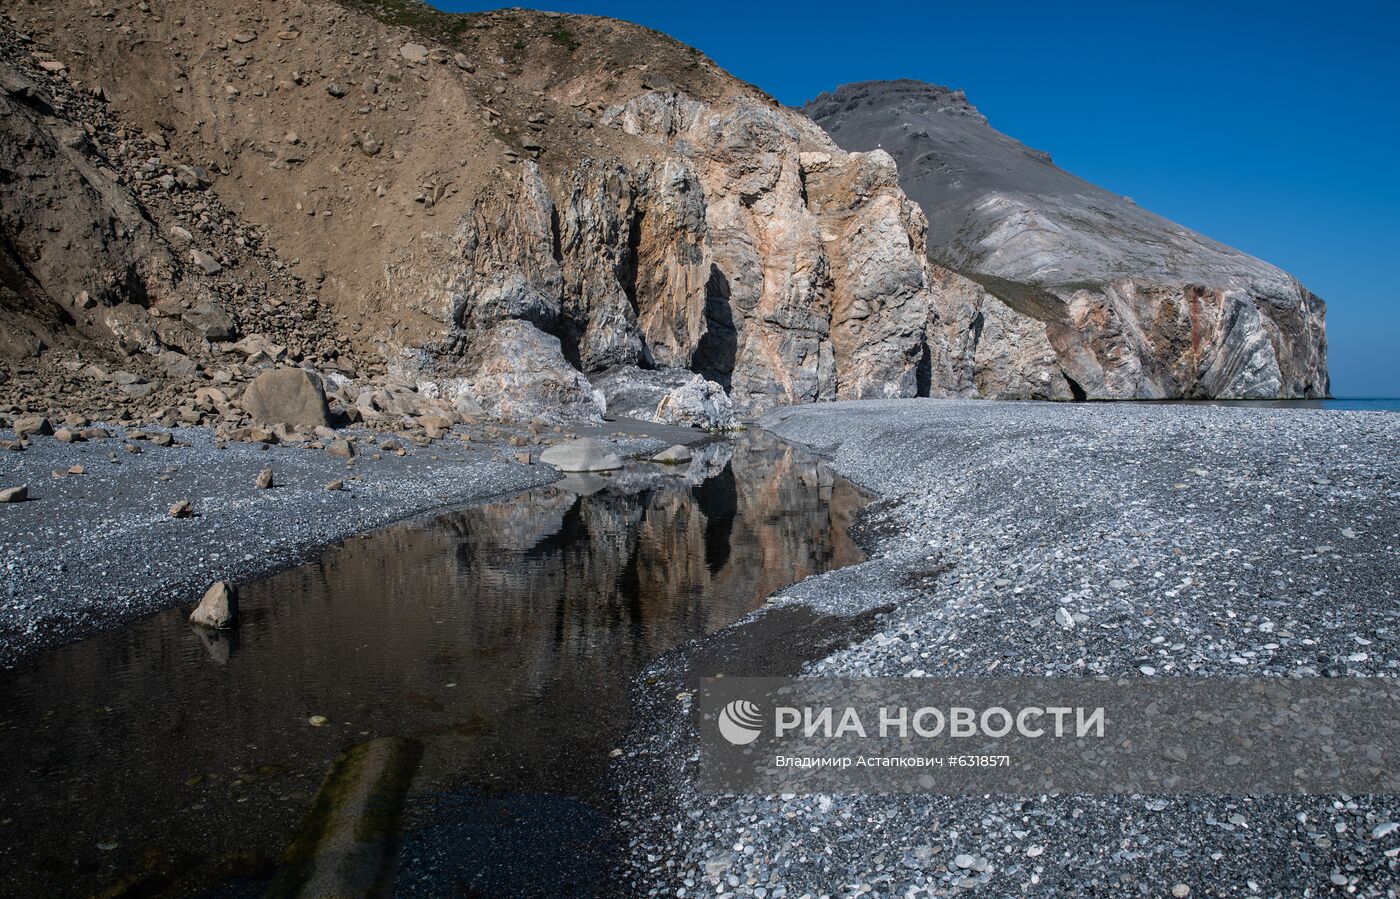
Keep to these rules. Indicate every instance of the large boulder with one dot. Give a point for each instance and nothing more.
(292, 396)
(211, 320)
(583, 454)
(521, 374)
(697, 403)
(669, 396)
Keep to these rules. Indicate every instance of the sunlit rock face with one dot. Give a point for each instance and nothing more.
(739, 244)
(1046, 285)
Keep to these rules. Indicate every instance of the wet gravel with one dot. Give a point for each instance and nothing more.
(1070, 540)
(93, 550)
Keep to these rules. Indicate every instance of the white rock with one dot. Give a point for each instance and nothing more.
(674, 455)
(697, 403)
(584, 454)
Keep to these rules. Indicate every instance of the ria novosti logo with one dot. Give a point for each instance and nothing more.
(740, 722)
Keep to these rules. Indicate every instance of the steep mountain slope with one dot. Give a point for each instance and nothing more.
(500, 204)
(124, 283)
(1132, 305)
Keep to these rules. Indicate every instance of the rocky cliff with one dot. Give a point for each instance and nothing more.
(518, 210)
(531, 216)
(1048, 284)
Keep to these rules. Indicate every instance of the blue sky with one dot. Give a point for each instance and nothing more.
(1273, 127)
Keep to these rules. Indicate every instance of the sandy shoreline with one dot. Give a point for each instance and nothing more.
(1181, 540)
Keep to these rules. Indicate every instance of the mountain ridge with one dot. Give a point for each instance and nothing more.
(1058, 248)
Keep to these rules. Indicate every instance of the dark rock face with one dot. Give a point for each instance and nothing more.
(1055, 287)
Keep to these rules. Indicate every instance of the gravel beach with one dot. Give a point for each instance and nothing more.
(90, 551)
(1064, 540)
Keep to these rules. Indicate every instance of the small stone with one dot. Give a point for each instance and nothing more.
(1064, 619)
(963, 860)
(245, 37)
(522, 458)
(182, 509)
(318, 721)
(264, 479)
(414, 52)
(14, 494)
(336, 485)
(206, 263)
(218, 608)
(163, 438)
(335, 89)
(30, 425)
(77, 469)
(67, 435)
(1181, 891)
(341, 449)
(1384, 830)
(1349, 533)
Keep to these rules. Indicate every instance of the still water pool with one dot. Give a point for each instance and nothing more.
(161, 760)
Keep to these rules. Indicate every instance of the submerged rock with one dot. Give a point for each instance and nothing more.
(583, 454)
(218, 608)
(347, 843)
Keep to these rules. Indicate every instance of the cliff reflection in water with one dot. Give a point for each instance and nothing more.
(503, 636)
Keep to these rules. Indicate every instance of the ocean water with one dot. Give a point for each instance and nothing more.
(1358, 405)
